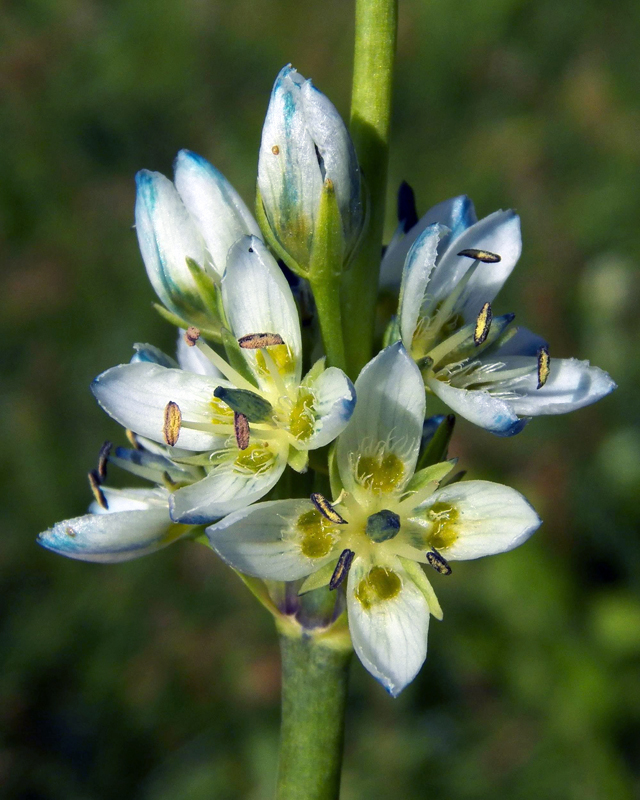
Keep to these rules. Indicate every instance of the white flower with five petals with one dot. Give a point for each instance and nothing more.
(387, 520)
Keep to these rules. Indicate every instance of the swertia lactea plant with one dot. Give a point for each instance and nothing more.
(332, 499)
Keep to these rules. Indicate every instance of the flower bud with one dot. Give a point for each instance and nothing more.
(185, 232)
(305, 146)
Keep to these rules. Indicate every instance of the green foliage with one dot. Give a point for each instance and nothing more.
(159, 678)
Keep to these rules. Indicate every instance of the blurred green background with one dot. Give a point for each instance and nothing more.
(159, 678)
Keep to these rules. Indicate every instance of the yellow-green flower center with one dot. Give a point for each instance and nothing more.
(380, 473)
(443, 518)
(302, 419)
(316, 534)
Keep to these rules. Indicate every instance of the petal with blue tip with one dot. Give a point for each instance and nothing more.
(334, 399)
(217, 209)
(418, 267)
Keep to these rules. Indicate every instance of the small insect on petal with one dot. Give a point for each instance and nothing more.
(191, 336)
(481, 255)
(275, 150)
(342, 568)
(94, 482)
(326, 509)
(103, 457)
(241, 430)
(256, 341)
(438, 562)
(544, 366)
(483, 324)
(172, 423)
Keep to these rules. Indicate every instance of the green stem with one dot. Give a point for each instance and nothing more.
(314, 694)
(375, 44)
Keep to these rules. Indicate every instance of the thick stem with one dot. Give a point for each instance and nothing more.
(375, 44)
(314, 694)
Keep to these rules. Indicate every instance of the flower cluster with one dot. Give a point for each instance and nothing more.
(215, 428)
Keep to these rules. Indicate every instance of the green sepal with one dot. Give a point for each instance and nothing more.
(298, 460)
(315, 372)
(436, 448)
(206, 285)
(434, 472)
(392, 333)
(327, 251)
(235, 357)
(334, 474)
(415, 572)
(319, 578)
(271, 239)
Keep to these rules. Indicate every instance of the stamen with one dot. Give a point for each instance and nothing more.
(256, 341)
(133, 439)
(342, 568)
(241, 430)
(103, 457)
(544, 365)
(172, 423)
(276, 377)
(254, 407)
(481, 255)
(94, 483)
(438, 562)
(483, 324)
(191, 335)
(229, 372)
(326, 509)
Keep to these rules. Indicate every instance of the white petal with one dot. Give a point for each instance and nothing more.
(194, 360)
(257, 298)
(389, 412)
(492, 519)
(226, 489)
(136, 395)
(289, 176)
(259, 541)
(217, 209)
(110, 538)
(479, 407)
(334, 144)
(415, 277)
(335, 400)
(456, 214)
(167, 237)
(498, 233)
(572, 384)
(389, 637)
(132, 500)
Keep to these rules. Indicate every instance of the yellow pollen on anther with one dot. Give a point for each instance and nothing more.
(380, 473)
(443, 518)
(302, 419)
(317, 534)
(172, 423)
(379, 585)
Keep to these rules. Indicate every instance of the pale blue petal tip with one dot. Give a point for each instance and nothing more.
(191, 519)
(511, 427)
(198, 161)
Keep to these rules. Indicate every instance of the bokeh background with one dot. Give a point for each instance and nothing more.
(159, 678)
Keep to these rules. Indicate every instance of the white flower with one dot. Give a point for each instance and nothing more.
(305, 144)
(185, 230)
(243, 430)
(493, 374)
(124, 523)
(386, 521)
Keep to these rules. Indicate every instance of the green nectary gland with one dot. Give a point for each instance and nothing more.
(379, 585)
(316, 534)
(443, 518)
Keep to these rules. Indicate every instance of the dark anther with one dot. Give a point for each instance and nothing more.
(342, 568)
(326, 509)
(438, 562)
